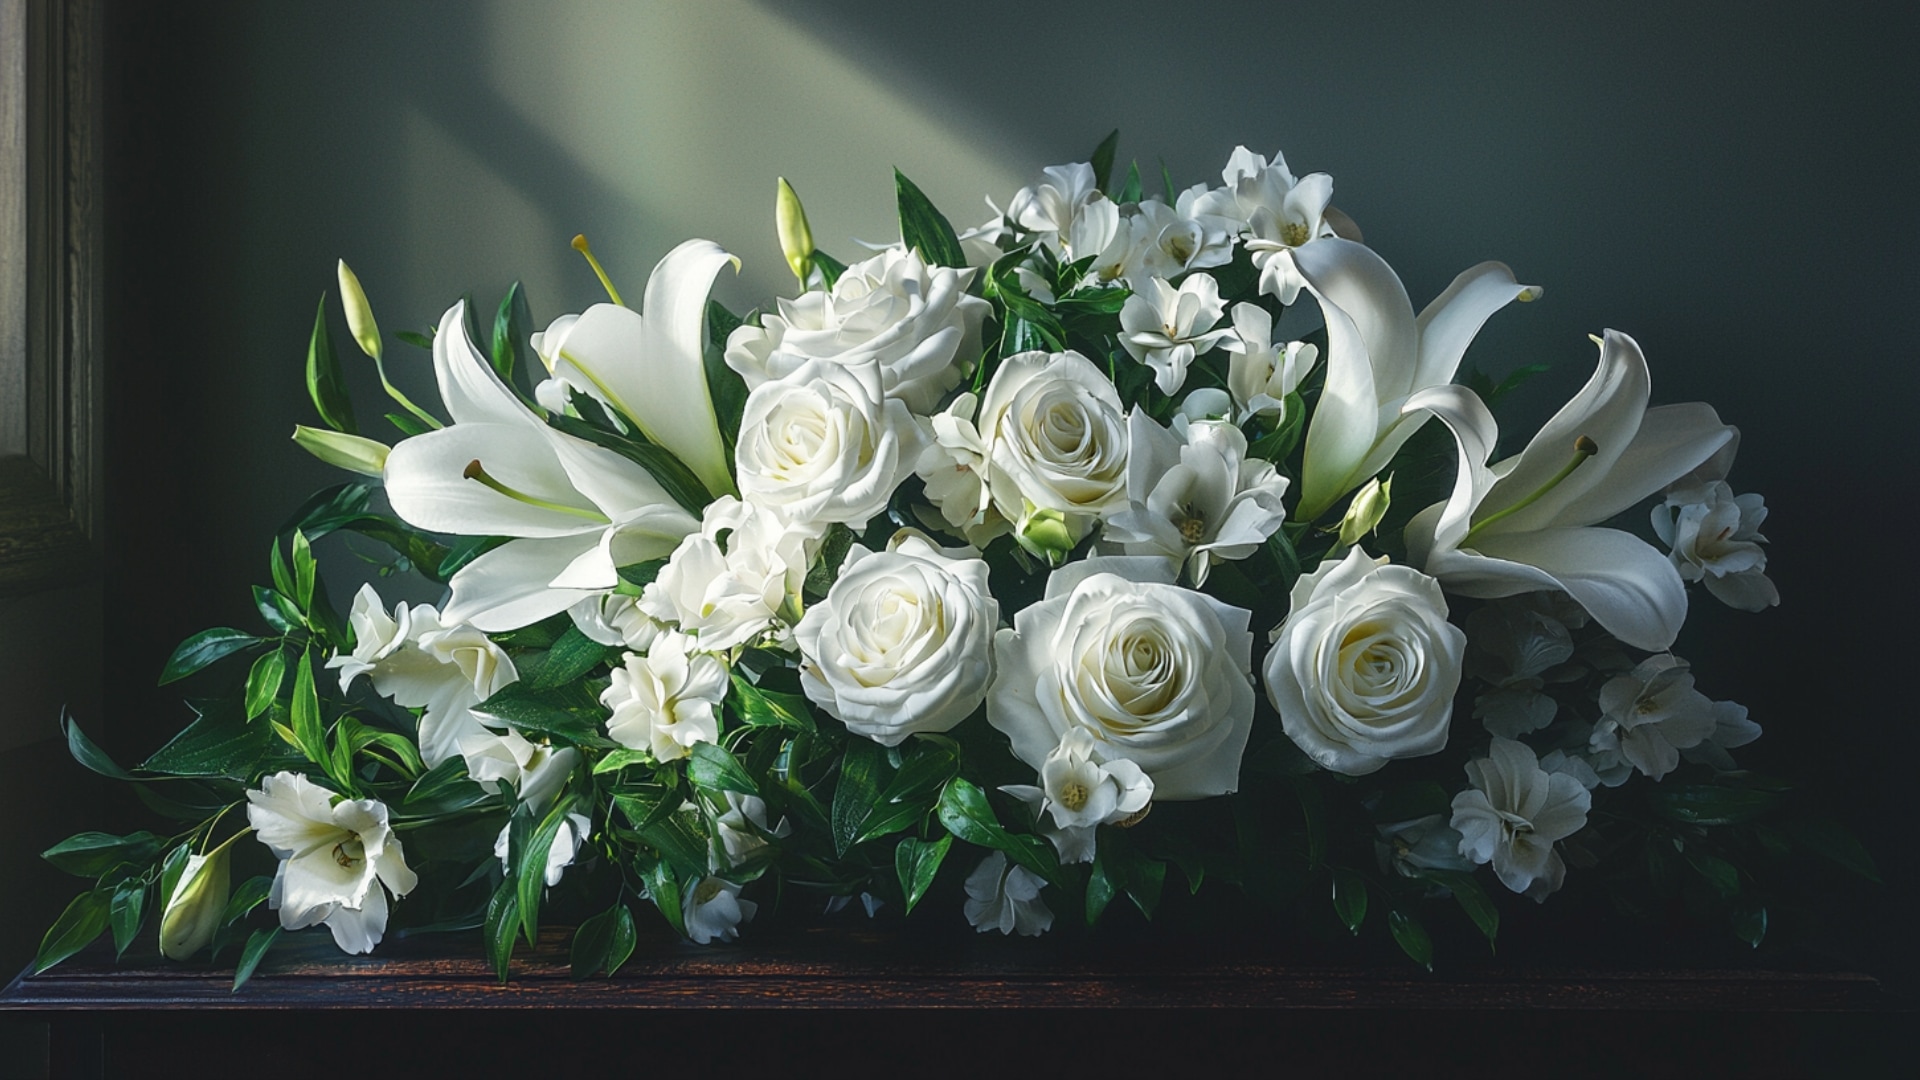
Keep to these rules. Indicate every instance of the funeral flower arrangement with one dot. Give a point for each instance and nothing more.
(1128, 544)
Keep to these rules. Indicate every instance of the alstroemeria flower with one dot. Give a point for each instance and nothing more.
(1200, 503)
(1652, 713)
(338, 859)
(652, 368)
(1529, 522)
(1005, 897)
(1715, 537)
(1378, 354)
(668, 700)
(1262, 373)
(1165, 328)
(714, 910)
(577, 511)
(1067, 211)
(1514, 813)
(1157, 240)
(1079, 791)
(1278, 213)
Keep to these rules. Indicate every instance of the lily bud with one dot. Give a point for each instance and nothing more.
(194, 910)
(1045, 534)
(796, 237)
(366, 333)
(353, 453)
(1365, 513)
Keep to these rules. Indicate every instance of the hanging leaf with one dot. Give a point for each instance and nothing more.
(92, 854)
(1411, 935)
(917, 862)
(203, 649)
(84, 920)
(1349, 899)
(502, 926)
(256, 950)
(263, 681)
(86, 753)
(926, 229)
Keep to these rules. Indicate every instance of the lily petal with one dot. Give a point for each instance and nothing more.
(510, 586)
(1371, 345)
(1628, 587)
(469, 387)
(427, 485)
(1449, 323)
(1673, 441)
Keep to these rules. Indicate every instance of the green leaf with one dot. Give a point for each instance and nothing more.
(127, 914)
(917, 862)
(566, 712)
(1101, 888)
(620, 759)
(255, 951)
(925, 228)
(276, 609)
(202, 649)
(1286, 560)
(263, 682)
(173, 867)
(530, 866)
(1131, 191)
(1473, 899)
(1718, 872)
(83, 920)
(219, 742)
(86, 753)
(1749, 920)
(1144, 880)
(755, 707)
(826, 566)
(1313, 810)
(309, 728)
(1711, 804)
(856, 793)
(712, 768)
(512, 324)
(620, 950)
(415, 338)
(325, 384)
(1349, 899)
(91, 854)
(964, 810)
(303, 570)
(593, 942)
(1826, 838)
(1102, 159)
(1411, 935)
(251, 894)
(571, 658)
(282, 573)
(502, 926)
(670, 471)
(1281, 441)
(443, 789)
(663, 887)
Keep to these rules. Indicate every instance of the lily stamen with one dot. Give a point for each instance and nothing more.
(580, 245)
(476, 472)
(1583, 448)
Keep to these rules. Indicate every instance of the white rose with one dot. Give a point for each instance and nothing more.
(824, 445)
(915, 321)
(1158, 675)
(1056, 438)
(1366, 665)
(903, 642)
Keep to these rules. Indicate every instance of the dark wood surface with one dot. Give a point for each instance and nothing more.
(832, 969)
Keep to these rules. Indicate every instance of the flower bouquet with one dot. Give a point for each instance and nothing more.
(1126, 545)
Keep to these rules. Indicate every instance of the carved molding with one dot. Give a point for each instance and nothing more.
(50, 507)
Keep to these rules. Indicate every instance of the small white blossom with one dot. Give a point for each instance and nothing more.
(954, 468)
(1410, 848)
(536, 771)
(1731, 728)
(1652, 713)
(1080, 792)
(1166, 328)
(1198, 504)
(740, 831)
(338, 859)
(666, 701)
(1517, 645)
(1715, 537)
(1004, 897)
(736, 579)
(1262, 372)
(714, 911)
(1276, 212)
(1068, 212)
(1513, 815)
(616, 619)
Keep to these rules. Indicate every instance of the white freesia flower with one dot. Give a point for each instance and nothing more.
(1366, 665)
(1513, 815)
(616, 619)
(902, 643)
(668, 700)
(1516, 644)
(576, 511)
(1530, 522)
(1277, 213)
(714, 910)
(423, 663)
(1262, 372)
(1056, 439)
(1651, 714)
(824, 445)
(197, 904)
(730, 593)
(1004, 897)
(338, 859)
(1715, 538)
(535, 771)
(954, 468)
(1379, 354)
(1157, 674)
(1068, 212)
(1079, 792)
(568, 841)
(915, 321)
(1166, 328)
(740, 831)
(1732, 728)
(652, 369)
(1200, 503)
(1157, 240)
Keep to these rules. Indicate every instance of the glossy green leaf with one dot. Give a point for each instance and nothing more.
(1710, 804)
(965, 812)
(127, 914)
(248, 895)
(512, 327)
(755, 707)
(593, 942)
(712, 768)
(1102, 160)
(263, 681)
(567, 712)
(1277, 444)
(309, 728)
(917, 862)
(325, 383)
(203, 649)
(1101, 888)
(663, 887)
(276, 609)
(1411, 935)
(1130, 192)
(570, 659)
(502, 926)
(620, 759)
(1717, 872)
(1349, 899)
(1473, 899)
(854, 796)
(670, 471)
(1749, 920)
(926, 229)
(84, 920)
(1826, 838)
(303, 570)
(86, 753)
(530, 866)
(255, 951)
(219, 742)
(91, 854)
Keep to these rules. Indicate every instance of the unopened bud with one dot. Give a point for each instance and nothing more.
(194, 910)
(796, 237)
(1366, 511)
(353, 453)
(366, 333)
(1046, 534)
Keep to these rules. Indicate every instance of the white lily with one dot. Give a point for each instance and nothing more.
(1165, 328)
(576, 511)
(1277, 212)
(1197, 503)
(1528, 522)
(651, 368)
(1378, 355)
(338, 859)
